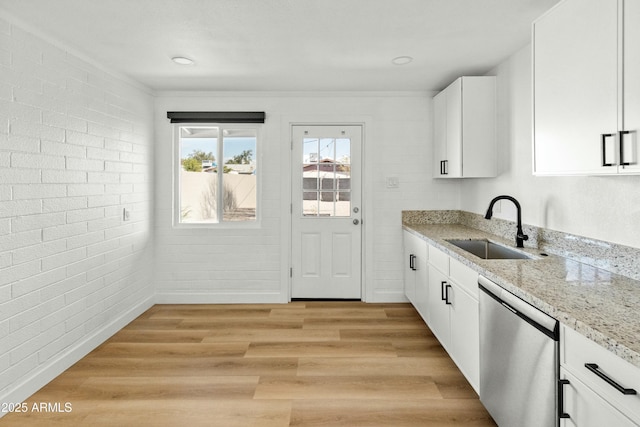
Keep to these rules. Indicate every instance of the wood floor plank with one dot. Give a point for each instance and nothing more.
(232, 324)
(347, 387)
(378, 366)
(395, 413)
(146, 323)
(453, 386)
(159, 336)
(169, 367)
(224, 413)
(162, 388)
(402, 312)
(377, 334)
(323, 313)
(321, 349)
(419, 348)
(219, 312)
(337, 323)
(163, 413)
(272, 335)
(177, 350)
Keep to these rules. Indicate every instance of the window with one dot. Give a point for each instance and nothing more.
(326, 177)
(216, 174)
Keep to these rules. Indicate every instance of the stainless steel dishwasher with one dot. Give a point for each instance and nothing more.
(518, 359)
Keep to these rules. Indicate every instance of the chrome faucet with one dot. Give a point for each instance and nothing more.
(520, 236)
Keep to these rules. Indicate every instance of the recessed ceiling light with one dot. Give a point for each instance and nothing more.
(402, 60)
(182, 60)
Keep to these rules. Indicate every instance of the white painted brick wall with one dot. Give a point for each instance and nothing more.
(76, 147)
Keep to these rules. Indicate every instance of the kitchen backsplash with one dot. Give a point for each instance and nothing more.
(618, 259)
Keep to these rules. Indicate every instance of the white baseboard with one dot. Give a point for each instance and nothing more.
(220, 298)
(55, 367)
(388, 296)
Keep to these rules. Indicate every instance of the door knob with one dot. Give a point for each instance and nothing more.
(356, 221)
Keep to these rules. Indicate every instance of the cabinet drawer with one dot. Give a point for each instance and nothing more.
(585, 408)
(439, 260)
(464, 276)
(578, 351)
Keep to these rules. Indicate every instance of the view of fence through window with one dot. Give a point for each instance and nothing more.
(218, 175)
(326, 177)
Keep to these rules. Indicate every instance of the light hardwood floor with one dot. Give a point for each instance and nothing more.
(300, 364)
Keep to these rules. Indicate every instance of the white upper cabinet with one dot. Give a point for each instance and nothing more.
(581, 96)
(465, 129)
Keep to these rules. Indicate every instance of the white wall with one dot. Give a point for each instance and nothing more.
(75, 148)
(604, 208)
(232, 265)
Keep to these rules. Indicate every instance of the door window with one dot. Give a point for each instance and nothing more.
(326, 177)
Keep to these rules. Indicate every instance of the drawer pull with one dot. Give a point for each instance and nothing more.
(595, 369)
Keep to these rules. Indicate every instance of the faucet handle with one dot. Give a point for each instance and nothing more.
(523, 236)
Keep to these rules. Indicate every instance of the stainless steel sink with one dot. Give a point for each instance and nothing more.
(486, 249)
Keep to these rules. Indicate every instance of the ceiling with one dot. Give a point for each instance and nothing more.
(286, 45)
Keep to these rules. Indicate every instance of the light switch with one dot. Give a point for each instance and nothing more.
(126, 214)
(393, 182)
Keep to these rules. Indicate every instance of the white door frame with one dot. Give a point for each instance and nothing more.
(286, 220)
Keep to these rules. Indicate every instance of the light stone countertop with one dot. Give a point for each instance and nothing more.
(601, 305)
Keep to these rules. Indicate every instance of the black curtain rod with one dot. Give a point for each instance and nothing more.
(216, 116)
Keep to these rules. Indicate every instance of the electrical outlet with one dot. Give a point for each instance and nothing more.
(126, 214)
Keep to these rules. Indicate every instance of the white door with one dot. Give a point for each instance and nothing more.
(326, 212)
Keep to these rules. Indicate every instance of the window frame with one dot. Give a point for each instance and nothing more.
(177, 168)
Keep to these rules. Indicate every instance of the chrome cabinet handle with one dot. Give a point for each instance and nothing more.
(356, 222)
(596, 370)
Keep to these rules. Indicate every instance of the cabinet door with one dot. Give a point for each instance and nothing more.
(465, 334)
(454, 129)
(585, 408)
(422, 282)
(575, 88)
(478, 127)
(439, 134)
(631, 85)
(408, 263)
(438, 309)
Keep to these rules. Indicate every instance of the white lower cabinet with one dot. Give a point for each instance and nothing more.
(465, 334)
(416, 273)
(585, 408)
(597, 387)
(445, 293)
(454, 312)
(439, 306)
